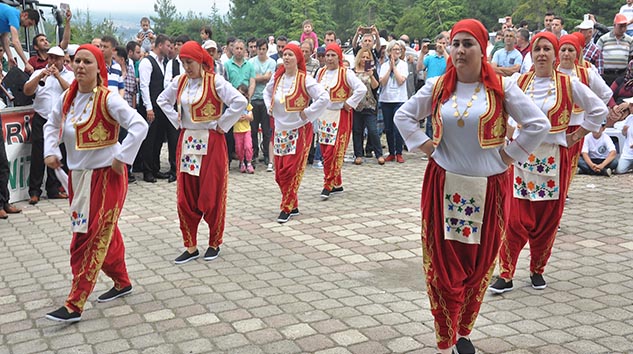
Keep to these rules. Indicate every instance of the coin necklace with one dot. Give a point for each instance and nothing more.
(461, 116)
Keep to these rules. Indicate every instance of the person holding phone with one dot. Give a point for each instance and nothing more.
(365, 114)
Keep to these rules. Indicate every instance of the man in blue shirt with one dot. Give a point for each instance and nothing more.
(433, 62)
(10, 20)
(508, 60)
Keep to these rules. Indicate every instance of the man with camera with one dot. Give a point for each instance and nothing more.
(47, 84)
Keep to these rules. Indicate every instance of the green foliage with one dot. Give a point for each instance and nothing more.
(166, 14)
(83, 30)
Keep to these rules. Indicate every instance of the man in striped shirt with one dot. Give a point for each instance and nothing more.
(115, 79)
(617, 49)
(591, 53)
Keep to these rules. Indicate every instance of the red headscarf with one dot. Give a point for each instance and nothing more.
(194, 51)
(74, 86)
(551, 37)
(336, 49)
(488, 76)
(581, 43)
(301, 61)
(573, 40)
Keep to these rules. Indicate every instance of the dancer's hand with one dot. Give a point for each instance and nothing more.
(118, 166)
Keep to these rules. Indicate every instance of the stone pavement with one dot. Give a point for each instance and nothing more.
(343, 277)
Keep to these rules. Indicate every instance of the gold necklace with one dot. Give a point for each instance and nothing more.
(88, 105)
(464, 114)
(549, 92)
(292, 87)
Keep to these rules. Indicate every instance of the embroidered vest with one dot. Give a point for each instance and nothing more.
(560, 113)
(341, 91)
(100, 130)
(209, 107)
(297, 100)
(492, 123)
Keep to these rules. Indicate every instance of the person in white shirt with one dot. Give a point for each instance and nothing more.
(345, 91)
(468, 163)
(47, 85)
(202, 172)
(89, 116)
(287, 97)
(599, 156)
(627, 10)
(625, 162)
(393, 93)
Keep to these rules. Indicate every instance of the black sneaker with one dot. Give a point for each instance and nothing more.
(62, 315)
(538, 282)
(283, 217)
(337, 190)
(325, 194)
(501, 286)
(211, 253)
(186, 257)
(294, 212)
(114, 294)
(464, 346)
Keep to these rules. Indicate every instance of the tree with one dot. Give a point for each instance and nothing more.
(167, 13)
(84, 30)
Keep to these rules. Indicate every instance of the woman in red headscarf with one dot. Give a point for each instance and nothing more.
(466, 183)
(287, 97)
(572, 64)
(541, 180)
(345, 91)
(87, 120)
(202, 173)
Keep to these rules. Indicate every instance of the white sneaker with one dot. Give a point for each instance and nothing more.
(269, 168)
(609, 172)
(317, 164)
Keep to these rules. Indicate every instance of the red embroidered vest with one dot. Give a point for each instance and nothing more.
(100, 130)
(209, 107)
(341, 91)
(298, 99)
(492, 123)
(559, 114)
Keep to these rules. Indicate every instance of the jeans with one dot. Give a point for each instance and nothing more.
(624, 165)
(429, 127)
(584, 168)
(366, 119)
(394, 139)
(260, 117)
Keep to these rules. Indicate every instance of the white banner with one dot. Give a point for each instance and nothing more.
(16, 130)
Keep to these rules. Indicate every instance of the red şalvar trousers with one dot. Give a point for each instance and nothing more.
(536, 223)
(457, 274)
(289, 169)
(203, 195)
(333, 154)
(101, 248)
(574, 153)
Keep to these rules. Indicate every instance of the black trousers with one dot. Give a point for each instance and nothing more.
(4, 172)
(159, 131)
(260, 117)
(36, 173)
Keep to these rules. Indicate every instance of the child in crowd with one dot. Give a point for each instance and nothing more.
(242, 136)
(205, 33)
(307, 33)
(145, 35)
(626, 155)
(598, 154)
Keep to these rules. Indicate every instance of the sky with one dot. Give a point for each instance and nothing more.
(144, 6)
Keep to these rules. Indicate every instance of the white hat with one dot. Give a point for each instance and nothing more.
(383, 42)
(586, 24)
(56, 51)
(208, 44)
(72, 49)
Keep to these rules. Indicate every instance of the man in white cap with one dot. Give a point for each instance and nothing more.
(212, 48)
(47, 84)
(591, 52)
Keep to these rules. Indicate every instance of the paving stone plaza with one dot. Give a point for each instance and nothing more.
(345, 276)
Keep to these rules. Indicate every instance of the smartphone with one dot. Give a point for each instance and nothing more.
(64, 7)
(431, 46)
(366, 30)
(369, 65)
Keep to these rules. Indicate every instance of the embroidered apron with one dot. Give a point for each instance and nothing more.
(80, 206)
(538, 178)
(194, 146)
(285, 142)
(328, 129)
(464, 205)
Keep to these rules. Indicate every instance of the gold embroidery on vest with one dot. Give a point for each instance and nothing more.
(99, 133)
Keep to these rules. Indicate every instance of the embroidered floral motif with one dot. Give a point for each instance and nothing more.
(457, 203)
(545, 165)
(285, 142)
(328, 132)
(192, 143)
(190, 163)
(77, 219)
(535, 190)
(463, 227)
